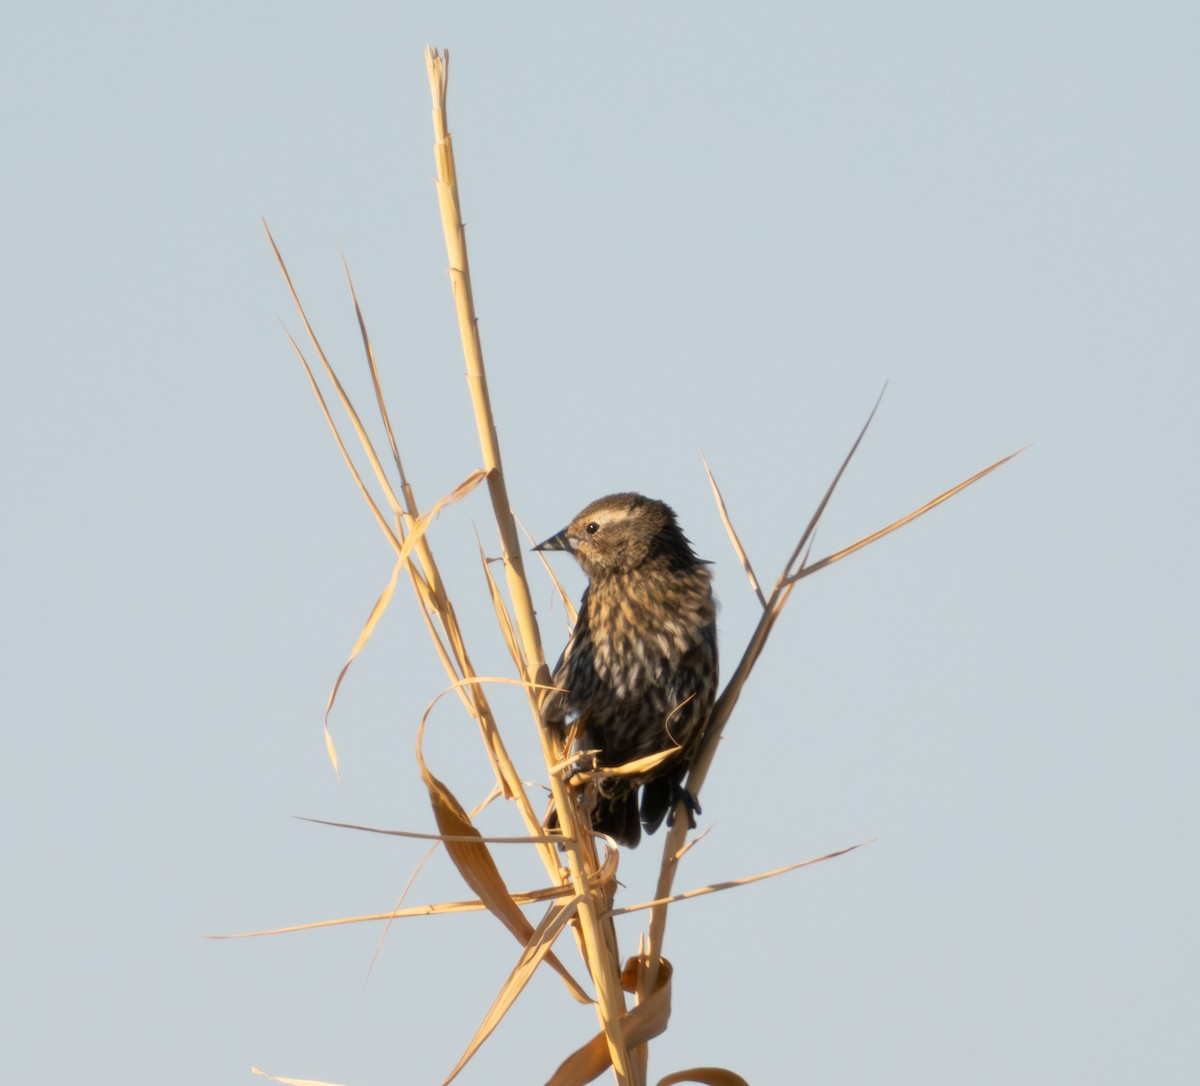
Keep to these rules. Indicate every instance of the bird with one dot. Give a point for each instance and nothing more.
(639, 673)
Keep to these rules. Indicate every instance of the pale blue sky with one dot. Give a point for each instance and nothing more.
(692, 228)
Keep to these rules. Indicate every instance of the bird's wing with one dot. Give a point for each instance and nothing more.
(554, 709)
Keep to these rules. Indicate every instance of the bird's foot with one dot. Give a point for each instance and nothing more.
(581, 768)
(691, 805)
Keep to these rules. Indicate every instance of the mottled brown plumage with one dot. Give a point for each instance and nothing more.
(640, 670)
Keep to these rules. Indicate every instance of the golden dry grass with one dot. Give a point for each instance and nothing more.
(580, 869)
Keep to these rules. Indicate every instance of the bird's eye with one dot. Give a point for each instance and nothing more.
(592, 528)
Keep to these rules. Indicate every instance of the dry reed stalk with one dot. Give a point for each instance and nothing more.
(599, 936)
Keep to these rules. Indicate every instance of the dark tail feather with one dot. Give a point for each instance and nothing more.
(659, 799)
(618, 817)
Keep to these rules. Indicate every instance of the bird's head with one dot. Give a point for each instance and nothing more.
(621, 533)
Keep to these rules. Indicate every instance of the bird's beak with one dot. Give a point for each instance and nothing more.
(558, 542)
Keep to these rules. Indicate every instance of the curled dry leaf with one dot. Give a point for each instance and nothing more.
(708, 1076)
(646, 1021)
(475, 863)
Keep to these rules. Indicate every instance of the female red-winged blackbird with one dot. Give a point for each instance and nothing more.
(640, 670)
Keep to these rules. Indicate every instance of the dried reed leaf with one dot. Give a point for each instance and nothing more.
(425, 519)
(944, 496)
(474, 862)
(738, 549)
(479, 871)
(381, 604)
(347, 405)
(601, 880)
(707, 1076)
(292, 1081)
(646, 1021)
(450, 661)
(636, 768)
(415, 534)
(502, 616)
(779, 597)
(494, 794)
(673, 841)
(523, 840)
(433, 600)
(470, 692)
(815, 519)
(568, 605)
(439, 908)
(331, 751)
(376, 512)
(380, 401)
(535, 950)
(399, 905)
(717, 887)
(692, 842)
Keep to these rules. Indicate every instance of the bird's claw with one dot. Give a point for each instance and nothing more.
(691, 805)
